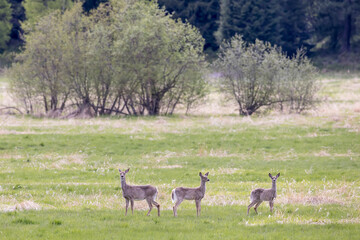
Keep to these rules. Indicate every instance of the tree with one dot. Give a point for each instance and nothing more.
(252, 19)
(203, 14)
(297, 84)
(125, 57)
(18, 16)
(284, 23)
(92, 4)
(258, 74)
(335, 22)
(35, 9)
(295, 26)
(159, 52)
(5, 25)
(43, 59)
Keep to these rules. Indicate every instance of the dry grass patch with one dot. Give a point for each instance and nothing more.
(281, 156)
(223, 200)
(169, 166)
(10, 156)
(222, 171)
(57, 161)
(324, 153)
(23, 206)
(160, 157)
(77, 159)
(328, 193)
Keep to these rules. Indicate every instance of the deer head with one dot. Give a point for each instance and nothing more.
(122, 174)
(274, 178)
(204, 178)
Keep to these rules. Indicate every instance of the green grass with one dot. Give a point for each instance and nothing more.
(216, 223)
(68, 171)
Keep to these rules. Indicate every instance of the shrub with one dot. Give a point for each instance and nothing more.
(258, 74)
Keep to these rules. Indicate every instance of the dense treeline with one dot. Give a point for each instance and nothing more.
(331, 25)
(131, 57)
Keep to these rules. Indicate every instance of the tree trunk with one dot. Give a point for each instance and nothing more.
(346, 37)
(45, 104)
(154, 108)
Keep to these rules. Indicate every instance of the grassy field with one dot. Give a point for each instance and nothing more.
(59, 178)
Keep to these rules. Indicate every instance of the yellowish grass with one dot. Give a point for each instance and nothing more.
(170, 166)
(10, 156)
(23, 206)
(328, 193)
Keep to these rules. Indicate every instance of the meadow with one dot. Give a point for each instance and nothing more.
(59, 178)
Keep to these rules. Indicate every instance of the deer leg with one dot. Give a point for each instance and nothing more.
(157, 205)
(198, 207)
(127, 205)
(176, 206)
(132, 206)
(250, 206)
(271, 204)
(150, 206)
(256, 206)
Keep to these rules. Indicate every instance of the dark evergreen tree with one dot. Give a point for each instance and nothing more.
(92, 4)
(337, 21)
(295, 30)
(253, 19)
(203, 14)
(18, 16)
(5, 25)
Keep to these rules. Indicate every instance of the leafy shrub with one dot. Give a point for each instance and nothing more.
(258, 74)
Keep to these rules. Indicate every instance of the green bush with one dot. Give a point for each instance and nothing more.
(258, 74)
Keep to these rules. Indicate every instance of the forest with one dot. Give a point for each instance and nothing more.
(326, 28)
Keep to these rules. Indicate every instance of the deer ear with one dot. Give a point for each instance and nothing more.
(206, 174)
(270, 175)
(278, 175)
(200, 174)
(127, 170)
(119, 170)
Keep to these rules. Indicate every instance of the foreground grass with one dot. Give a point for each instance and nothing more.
(229, 223)
(59, 178)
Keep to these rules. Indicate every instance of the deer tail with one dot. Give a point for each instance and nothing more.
(173, 196)
(155, 195)
(252, 196)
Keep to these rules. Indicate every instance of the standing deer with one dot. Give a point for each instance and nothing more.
(179, 194)
(259, 195)
(131, 193)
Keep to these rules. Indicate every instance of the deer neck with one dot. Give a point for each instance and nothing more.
(202, 186)
(123, 184)
(273, 186)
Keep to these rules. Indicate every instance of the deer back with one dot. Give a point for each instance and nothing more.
(268, 195)
(139, 192)
(189, 193)
(261, 194)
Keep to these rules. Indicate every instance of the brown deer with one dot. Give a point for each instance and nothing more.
(179, 194)
(259, 195)
(131, 193)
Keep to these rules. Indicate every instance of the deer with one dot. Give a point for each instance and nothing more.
(259, 195)
(138, 193)
(180, 194)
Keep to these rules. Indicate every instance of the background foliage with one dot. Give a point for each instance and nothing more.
(124, 58)
(330, 26)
